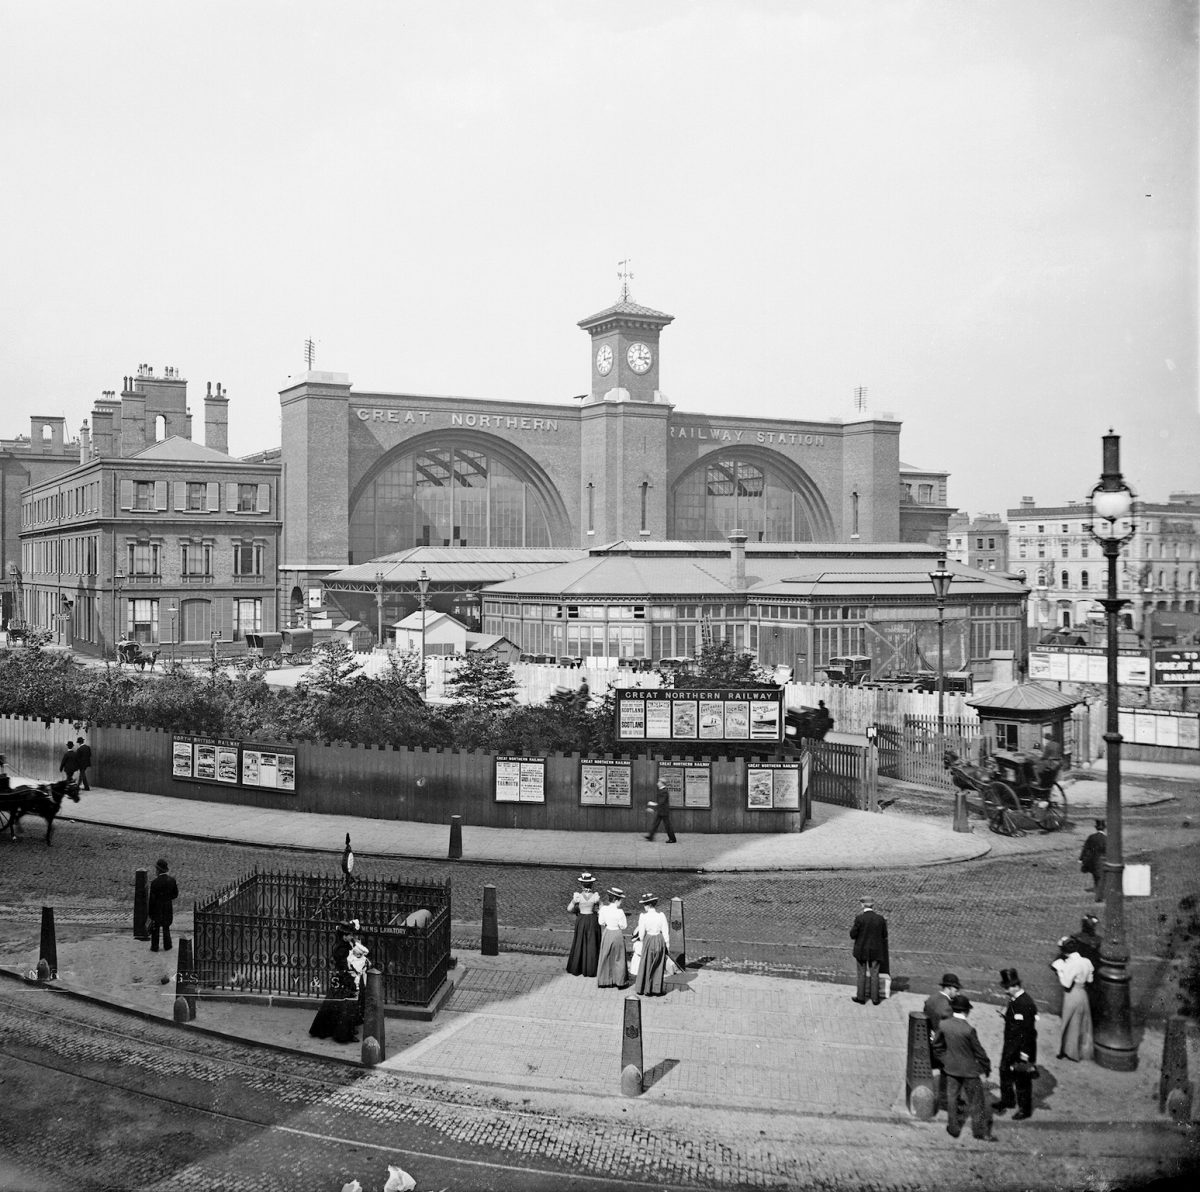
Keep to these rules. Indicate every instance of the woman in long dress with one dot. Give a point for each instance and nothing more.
(337, 1015)
(1074, 975)
(585, 947)
(611, 968)
(653, 934)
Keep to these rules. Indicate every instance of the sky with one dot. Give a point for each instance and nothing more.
(983, 211)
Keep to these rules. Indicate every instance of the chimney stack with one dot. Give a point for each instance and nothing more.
(85, 443)
(737, 551)
(216, 419)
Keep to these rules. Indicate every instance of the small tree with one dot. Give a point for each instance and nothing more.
(721, 663)
(333, 670)
(482, 681)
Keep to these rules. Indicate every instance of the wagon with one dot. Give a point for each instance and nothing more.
(297, 647)
(265, 649)
(1014, 799)
(132, 653)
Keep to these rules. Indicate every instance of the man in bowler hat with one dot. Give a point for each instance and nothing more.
(937, 1010)
(1019, 1048)
(161, 911)
(870, 937)
(1091, 858)
(662, 811)
(83, 760)
(964, 1062)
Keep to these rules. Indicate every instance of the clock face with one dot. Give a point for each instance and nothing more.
(604, 360)
(639, 357)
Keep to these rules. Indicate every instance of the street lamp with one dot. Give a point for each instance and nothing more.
(118, 584)
(423, 584)
(173, 609)
(379, 606)
(1111, 526)
(941, 580)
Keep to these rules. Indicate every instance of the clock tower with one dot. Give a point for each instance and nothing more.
(624, 424)
(625, 352)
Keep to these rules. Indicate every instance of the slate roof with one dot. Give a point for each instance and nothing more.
(454, 565)
(626, 307)
(1024, 697)
(176, 447)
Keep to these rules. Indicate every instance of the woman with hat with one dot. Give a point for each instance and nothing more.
(337, 1015)
(611, 969)
(1074, 972)
(652, 936)
(585, 947)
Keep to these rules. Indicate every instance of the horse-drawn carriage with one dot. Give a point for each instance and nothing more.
(1018, 791)
(269, 651)
(43, 800)
(131, 653)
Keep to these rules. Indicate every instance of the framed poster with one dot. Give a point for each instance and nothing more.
(265, 766)
(604, 783)
(774, 786)
(701, 714)
(520, 780)
(214, 759)
(181, 757)
(690, 786)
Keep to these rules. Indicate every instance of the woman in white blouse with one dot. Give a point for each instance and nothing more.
(611, 969)
(653, 937)
(1074, 974)
(585, 947)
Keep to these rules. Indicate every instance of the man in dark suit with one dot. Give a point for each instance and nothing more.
(161, 909)
(69, 763)
(937, 1010)
(1019, 1047)
(1091, 858)
(662, 811)
(964, 1062)
(870, 937)
(83, 760)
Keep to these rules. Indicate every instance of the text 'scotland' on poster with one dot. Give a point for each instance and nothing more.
(737, 720)
(633, 720)
(712, 720)
(683, 719)
(181, 758)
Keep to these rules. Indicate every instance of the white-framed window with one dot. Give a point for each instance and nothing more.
(247, 617)
(247, 498)
(143, 495)
(142, 620)
(197, 497)
(195, 558)
(143, 559)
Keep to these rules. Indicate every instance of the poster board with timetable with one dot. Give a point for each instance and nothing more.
(233, 763)
(605, 783)
(520, 780)
(717, 714)
(775, 786)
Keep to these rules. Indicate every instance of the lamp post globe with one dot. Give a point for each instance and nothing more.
(1112, 527)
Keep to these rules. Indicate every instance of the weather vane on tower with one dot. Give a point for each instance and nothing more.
(626, 277)
(310, 351)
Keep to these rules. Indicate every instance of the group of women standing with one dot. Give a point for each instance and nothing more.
(598, 948)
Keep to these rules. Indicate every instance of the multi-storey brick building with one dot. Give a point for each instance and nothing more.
(151, 535)
(1159, 569)
(981, 542)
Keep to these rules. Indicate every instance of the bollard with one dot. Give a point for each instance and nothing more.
(48, 950)
(960, 811)
(490, 943)
(1174, 1088)
(186, 984)
(141, 895)
(919, 1092)
(373, 1020)
(43, 970)
(455, 838)
(631, 1048)
(678, 935)
(180, 1012)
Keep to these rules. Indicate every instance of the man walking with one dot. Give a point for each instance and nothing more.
(1091, 858)
(1018, 1053)
(870, 937)
(161, 910)
(69, 763)
(83, 760)
(662, 810)
(937, 1010)
(964, 1062)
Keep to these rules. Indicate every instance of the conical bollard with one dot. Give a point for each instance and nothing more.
(489, 944)
(920, 1093)
(373, 1043)
(48, 948)
(678, 934)
(455, 853)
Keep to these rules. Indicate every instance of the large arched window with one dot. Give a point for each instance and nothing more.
(453, 493)
(765, 495)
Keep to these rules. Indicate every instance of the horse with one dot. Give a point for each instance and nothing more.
(44, 800)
